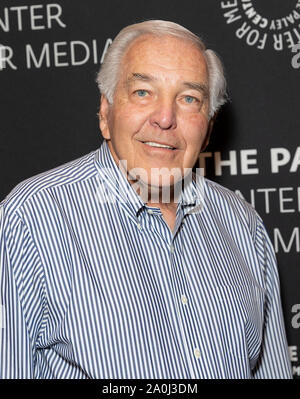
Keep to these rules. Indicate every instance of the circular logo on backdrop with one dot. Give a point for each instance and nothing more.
(269, 24)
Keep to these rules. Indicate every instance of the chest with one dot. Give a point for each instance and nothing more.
(143, 304)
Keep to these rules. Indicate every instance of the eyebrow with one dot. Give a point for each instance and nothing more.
(140, 76)
(202, 88)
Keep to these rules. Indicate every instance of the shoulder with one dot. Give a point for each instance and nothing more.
(216, 192)
(66, 174)
(228, 205)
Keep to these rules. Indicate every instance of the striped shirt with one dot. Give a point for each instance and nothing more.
(104, 289)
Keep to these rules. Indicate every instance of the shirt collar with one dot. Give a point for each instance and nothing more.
(192, 195)
(121, 191)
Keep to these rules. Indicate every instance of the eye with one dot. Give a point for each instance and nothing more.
(141, 93)
(189, 99)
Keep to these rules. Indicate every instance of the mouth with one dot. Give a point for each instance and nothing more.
(160, 146)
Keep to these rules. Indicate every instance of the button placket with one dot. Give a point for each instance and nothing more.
(172, 249)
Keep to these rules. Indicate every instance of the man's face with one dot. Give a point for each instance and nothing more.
(161, 99)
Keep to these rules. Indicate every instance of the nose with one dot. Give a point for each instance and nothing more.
(164, 115)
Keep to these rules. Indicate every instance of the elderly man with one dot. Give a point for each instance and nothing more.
(125, 263)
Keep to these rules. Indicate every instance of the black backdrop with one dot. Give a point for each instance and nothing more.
(50, 53)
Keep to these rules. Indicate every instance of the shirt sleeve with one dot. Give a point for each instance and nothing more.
(274, 360)
(21, 298)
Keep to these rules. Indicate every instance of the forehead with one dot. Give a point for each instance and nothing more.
(165, 54)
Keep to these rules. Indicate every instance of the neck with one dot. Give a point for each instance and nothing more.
(163, 198)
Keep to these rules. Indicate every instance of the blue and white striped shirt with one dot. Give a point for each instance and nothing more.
(104, 289)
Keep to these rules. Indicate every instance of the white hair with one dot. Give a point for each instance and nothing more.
(108, 75)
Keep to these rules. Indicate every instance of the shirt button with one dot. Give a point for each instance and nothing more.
(184, 299)
(197, 353)
(172, 248)
(139, 226)
(150, 212)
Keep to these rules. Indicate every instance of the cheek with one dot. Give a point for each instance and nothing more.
(128, 119)
(195, 129)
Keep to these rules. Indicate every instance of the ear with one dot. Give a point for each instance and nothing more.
(209, 130)
(103, 116)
